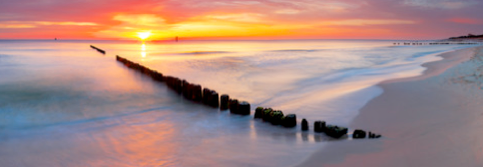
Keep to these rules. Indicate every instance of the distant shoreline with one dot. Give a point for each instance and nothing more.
(468, 37)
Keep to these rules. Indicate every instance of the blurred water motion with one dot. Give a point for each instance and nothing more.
(63, 104)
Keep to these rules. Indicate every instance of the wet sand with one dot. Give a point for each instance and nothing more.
(430, 120)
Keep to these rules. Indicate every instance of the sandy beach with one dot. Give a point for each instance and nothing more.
(429, 120)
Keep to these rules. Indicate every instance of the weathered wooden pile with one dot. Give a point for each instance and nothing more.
(276, 117)
(211, 98)
(99, 50)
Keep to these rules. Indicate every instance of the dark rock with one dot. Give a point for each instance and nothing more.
(359, 134)
(224, 102)
(319, 126)
(305, 125)
(289, 121)
(259, 112)
(244, 108)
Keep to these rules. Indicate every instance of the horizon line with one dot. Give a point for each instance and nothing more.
(166, 40)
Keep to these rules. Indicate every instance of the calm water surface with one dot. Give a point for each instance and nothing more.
(63, 104)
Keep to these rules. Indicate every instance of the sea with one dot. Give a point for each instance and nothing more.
(65, 104)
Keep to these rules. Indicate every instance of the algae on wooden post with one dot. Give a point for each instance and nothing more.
(276, 117)
(335, 131)
(267, 114)
(259, 112)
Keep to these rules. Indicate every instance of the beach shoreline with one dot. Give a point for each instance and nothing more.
(426, 120)
(84, 107)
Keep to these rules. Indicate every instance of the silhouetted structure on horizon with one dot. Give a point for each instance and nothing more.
(469, 36)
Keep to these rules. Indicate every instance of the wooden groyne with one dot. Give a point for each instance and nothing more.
(190, 91)
(436, 43)
(211, 98)
(99, 50)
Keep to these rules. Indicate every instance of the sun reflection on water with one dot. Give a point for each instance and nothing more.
(143, 50)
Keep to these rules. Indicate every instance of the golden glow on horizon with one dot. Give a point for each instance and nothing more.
(243, 26)
(144, 35)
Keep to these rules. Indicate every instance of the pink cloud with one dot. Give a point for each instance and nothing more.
(465, 20)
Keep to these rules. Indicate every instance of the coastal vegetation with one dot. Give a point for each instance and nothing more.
(469, 36)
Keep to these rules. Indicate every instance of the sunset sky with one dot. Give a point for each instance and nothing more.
(238, 19)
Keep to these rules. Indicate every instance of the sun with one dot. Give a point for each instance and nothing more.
(144, 35)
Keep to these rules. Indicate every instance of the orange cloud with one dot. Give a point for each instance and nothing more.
(239, 25)
(15, 25)
(33, 24)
